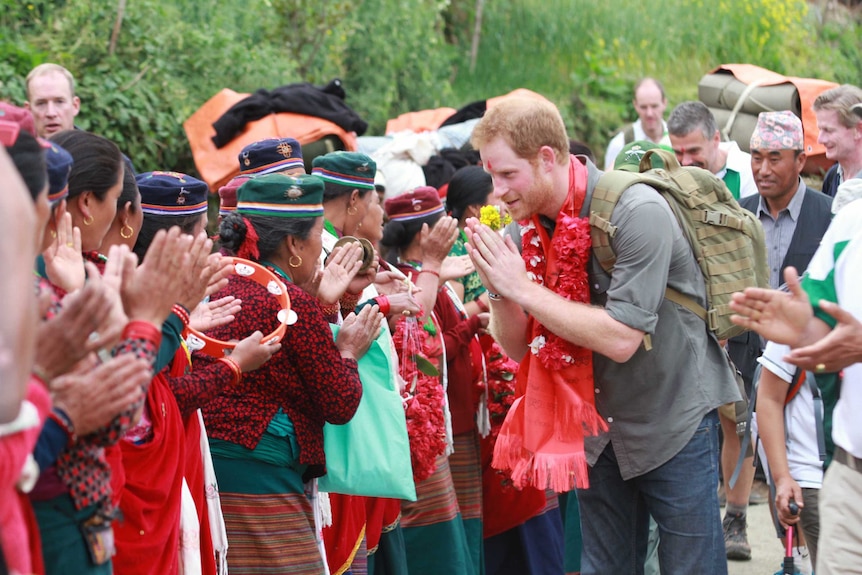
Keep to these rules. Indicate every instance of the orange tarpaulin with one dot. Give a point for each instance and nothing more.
(218, 165)
(808, 88)
(421, 121)
(430, 120)
(518, 93)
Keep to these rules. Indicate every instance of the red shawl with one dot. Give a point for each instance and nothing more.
(147, 485)
(147, 480)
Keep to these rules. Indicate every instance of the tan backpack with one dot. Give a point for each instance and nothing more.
(726, 239)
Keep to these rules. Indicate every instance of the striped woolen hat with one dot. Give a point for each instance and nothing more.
(171, 194)
(352, 170)
(282, 196)
(271, 155)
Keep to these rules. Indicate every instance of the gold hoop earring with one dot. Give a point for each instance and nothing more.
(353, 213)
(126, 235)
(89, 220)
(294, 265)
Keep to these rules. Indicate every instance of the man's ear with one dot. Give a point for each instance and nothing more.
(800, 162)
(547, 157)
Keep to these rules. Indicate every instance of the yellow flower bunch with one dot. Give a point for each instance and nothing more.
(491, 216)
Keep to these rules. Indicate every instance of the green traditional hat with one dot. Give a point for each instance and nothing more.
(350, 169)
(281, 196)
(629, 158)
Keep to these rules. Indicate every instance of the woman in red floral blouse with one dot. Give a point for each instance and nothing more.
(266, 432)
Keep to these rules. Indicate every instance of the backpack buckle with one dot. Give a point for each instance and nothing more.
(714, 218)
(712, 319)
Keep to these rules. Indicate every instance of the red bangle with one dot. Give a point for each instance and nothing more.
(383, 304)
(181, 312)
(329, 310)
(482, 305)
(234, 367)
(432, 272)
(137, 329)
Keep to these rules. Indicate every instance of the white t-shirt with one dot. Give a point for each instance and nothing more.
(835, 273)
(803, 456)
(618, 142)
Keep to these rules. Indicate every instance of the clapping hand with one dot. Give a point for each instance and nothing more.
(150, 290)
(83, 313)
(341, 268)
(214, 313)
(358, 331)
(436, 242)
(64, 263)
(778, 316)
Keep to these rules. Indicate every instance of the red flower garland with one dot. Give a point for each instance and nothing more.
(423, 397)
(502, 372)
(572, 243)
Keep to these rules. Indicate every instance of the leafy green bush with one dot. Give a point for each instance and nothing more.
(586, 55)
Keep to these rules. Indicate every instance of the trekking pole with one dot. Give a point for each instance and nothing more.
(789, 567)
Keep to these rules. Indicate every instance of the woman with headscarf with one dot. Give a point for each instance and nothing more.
(266, 432)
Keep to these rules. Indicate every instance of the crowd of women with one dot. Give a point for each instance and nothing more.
(167, 400)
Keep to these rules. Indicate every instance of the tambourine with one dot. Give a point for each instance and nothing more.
(203, 343)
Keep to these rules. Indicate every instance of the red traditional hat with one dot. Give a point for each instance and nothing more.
(413, 205)
(227, 195)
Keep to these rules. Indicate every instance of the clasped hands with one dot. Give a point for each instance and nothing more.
(497, 260)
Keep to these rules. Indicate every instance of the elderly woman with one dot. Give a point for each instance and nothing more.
(266, 431)
(420, 236)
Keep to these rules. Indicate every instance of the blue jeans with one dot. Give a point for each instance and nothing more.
(680, 495)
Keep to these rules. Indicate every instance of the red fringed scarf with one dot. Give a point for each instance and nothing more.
(542, 440)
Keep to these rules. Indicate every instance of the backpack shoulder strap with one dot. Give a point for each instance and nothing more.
(606, 194)
(629, 134)
(800, 378)
(795, 383)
